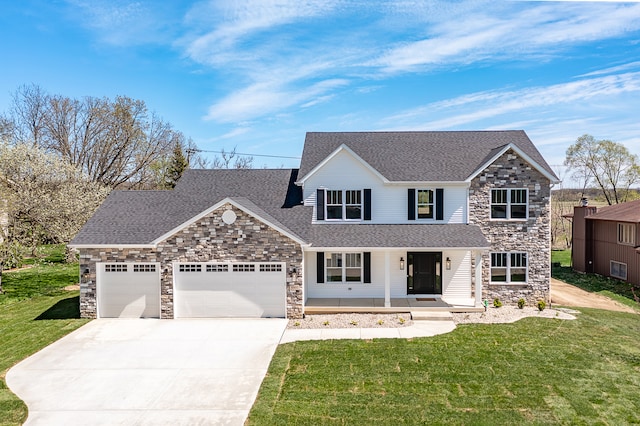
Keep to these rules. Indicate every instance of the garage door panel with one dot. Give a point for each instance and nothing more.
(239, 290)
(127, 290)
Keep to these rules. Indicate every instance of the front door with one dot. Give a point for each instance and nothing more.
(424, 274)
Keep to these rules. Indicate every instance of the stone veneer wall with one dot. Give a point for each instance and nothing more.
(532, 236)
(207, 240)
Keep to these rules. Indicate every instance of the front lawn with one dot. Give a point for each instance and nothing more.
(535, 371)
(35, 311)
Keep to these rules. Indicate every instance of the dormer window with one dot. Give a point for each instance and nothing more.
(344, 204)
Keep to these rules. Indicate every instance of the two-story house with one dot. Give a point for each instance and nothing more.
(370, 221)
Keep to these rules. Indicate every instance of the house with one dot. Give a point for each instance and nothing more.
(606, 241)
(373, 218)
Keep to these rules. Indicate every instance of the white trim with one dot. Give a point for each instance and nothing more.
(311, 248)
(521, 153)
(114, 246)
(341, 148)
(217, 206)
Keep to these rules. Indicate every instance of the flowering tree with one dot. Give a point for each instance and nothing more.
(47, 199)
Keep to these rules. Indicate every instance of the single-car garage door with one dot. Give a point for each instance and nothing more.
(209, 290)
(128, 290)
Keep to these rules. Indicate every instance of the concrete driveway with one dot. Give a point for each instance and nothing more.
(149, 372)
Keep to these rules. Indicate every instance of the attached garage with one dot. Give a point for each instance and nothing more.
(209, 290)
(128, 290)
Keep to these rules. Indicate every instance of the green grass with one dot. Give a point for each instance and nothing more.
(615, 289)
(35, 311)
(535, 371)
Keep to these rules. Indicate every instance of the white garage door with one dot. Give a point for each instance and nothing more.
(209, 290)
(128, 290)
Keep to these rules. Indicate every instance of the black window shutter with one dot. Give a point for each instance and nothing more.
(367, 266)
(320, 266)
(367, 204)
(439, 204)
(411, 206)
(320, 204)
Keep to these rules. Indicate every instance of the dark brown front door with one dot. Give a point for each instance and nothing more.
(424, 273)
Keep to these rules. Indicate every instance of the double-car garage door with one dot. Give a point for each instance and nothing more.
(201, 290)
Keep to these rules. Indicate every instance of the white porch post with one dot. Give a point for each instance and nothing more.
(387, 279)
(478, 278)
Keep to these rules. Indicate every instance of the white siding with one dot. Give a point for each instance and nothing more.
(456, 282)
(388, 201)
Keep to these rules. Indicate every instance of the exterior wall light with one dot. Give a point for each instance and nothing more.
(448, 264)
(86, 273)
(401, 262)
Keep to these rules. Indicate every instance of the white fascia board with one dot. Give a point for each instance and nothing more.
(217, 206)
(341, 148)
(524, 156)
(431, 184)
(310, 248)
(115, 246)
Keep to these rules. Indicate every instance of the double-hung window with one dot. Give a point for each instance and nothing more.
(627, 234)
(425, 203)
(343, 267)
(509, 268)
(344, 204)
(509, 204)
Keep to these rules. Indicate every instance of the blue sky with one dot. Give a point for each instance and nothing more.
(258, 74)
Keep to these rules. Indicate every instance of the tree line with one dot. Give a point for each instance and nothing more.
(60, 157)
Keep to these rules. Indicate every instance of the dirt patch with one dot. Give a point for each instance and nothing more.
(569, 295)
(72, 287)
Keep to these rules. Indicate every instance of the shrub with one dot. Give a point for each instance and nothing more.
(497, 303)
(521, 303)
(541, 305)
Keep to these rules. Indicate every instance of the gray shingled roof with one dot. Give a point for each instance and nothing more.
(419, 156)
(140, 217)
(427, 236)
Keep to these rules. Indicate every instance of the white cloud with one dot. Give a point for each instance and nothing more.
(476, 107)
(265, 99)
(502, 33)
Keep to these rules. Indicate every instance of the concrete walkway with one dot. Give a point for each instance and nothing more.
(148, 372)
(417, 329)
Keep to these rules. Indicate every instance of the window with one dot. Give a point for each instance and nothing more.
(508, 268)
(425, 204)
(618, 270)
(627, 233)
(344, 267)
(509, 204)
(244, 267)
(217, 268)
(270, 267)
(144, 268)
(345, 204)
(115, 267)
(190, 268)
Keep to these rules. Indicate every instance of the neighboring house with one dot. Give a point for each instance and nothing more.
(369, 218)
(606, 241)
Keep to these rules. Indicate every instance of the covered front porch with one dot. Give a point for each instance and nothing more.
(395, 305)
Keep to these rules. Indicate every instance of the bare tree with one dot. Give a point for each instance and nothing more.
(231, 159)
(113, 142)
(608, 165)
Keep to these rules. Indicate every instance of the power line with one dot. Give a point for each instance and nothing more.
(193, 150)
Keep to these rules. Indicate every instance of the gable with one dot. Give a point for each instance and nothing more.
(420, 156)
(343, 161)
(513, 149)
